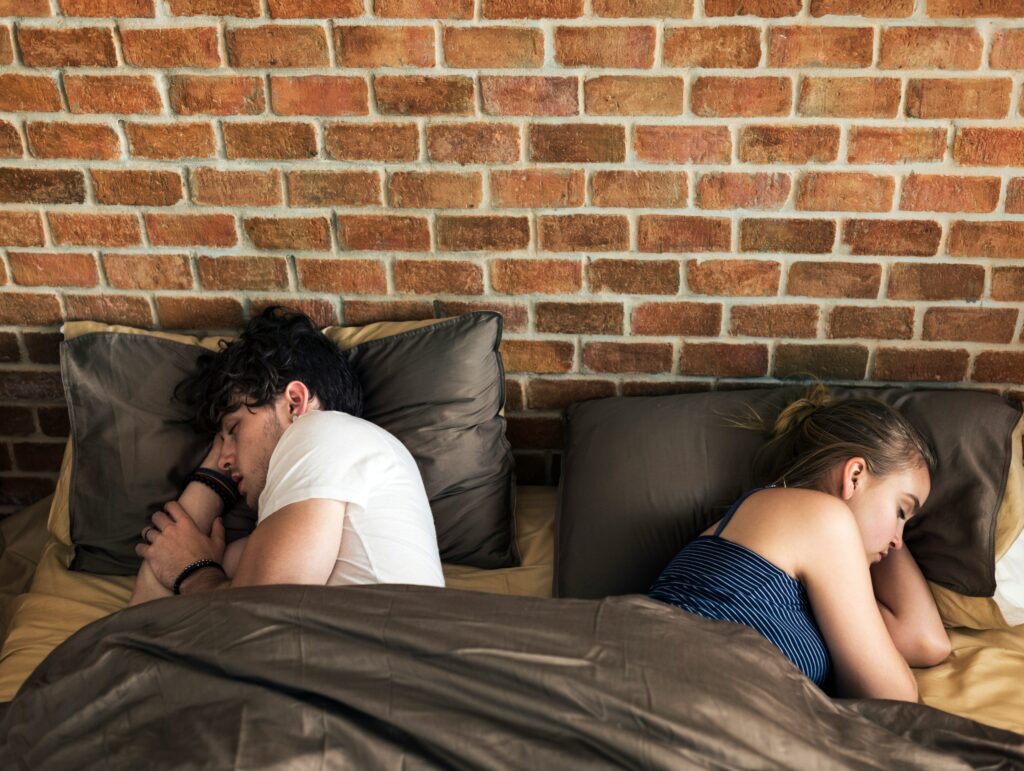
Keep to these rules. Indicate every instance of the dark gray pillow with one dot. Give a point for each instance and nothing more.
(642, 476)
(438, 389)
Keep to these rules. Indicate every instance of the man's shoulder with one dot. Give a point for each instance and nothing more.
(328, 427)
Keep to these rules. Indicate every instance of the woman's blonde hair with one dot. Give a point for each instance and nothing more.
(815, 432)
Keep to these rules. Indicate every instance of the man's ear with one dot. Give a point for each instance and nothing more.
(298, 398)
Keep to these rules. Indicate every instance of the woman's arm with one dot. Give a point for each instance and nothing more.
(908, 609)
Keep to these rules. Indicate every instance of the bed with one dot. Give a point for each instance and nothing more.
(494, 671)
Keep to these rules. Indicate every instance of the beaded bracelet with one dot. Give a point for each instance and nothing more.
(226, 490)
(192, 568)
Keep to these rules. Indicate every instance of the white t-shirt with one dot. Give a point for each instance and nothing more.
(389, 535)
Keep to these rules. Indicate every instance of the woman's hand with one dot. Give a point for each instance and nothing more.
(213, 456)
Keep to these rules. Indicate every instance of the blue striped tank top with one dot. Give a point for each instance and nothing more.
(723, 580)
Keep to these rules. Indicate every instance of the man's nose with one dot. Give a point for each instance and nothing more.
(226, 461)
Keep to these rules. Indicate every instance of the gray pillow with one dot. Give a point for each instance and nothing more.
(642, 476)
(438, 389)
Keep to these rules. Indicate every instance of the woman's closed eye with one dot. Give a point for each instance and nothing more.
(901, 514)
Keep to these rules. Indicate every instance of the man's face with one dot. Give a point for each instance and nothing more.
(250, 435)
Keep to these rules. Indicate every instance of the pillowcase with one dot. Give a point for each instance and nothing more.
(437, 385)
(642, 476)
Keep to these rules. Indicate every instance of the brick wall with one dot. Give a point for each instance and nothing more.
(660, 195)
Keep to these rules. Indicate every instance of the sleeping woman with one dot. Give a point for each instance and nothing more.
(815, 561)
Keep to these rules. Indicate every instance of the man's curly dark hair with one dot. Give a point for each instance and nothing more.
(276, 347)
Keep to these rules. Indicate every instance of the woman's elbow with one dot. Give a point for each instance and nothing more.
(931, 650)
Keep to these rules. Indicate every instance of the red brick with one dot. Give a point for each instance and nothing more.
(712, 47)
(19, 492)
(491, 47)
(188, 47)
(523, 277)
(522, 95)
(515, 317)
(89, 141)
(424, 95)
(849, 97)
(989, 146)
(545, 394)
(25, 185)
(17, 421)
(25, 8)
(206, 313)
(191, 229)
(999, 367)
(682, 144)
(724, 359)
(533, 433)
(1014, 196)
(34, 310)
(628, 357)
(21, 228)
(277, 140)
(534, 189)
(937, 192)
(537, 355)
(384, 233)
(640, 189)
(54, 421)
(958, 98)
(233, 272)
(923, 365)
(434, 190)
(148, 271)
(580, 318)
(214, 187)
(625, 47)
(886, 323)
(483, 233)
(424, 9)
(912, 281)
(742, 191)
(669, 233)
(972, 8)
(847, 280)
(216, 95)
(634, 276)
(321, 312)
(943, 48)
(369, 311)
(43, 347)
(839, 362)
(907, 238)
(986, 239)
(119, 94)
(342, 276)
(873, 144)
(633, 95)
(312, 233)
(105, 8)
(669, 9)
(789, 144)
(41, 269)
(10, 141)
(891, 9)
(333, 188)
(95, 229)
(28, 93)
(109, 309)
(766, 8)
(577, 143)
(714, 96)
(677, 318)
(845, 191)
(319, 95)
(372, 141)
(315, 9)
(983, 325)
(787, 235)
(584, 232)
(170, 141)
(532, 9)
(38, 456)
(774, 321)
(68, 47)
(1008, 284)
(137, 187)
(736, 278)
(1007, 49)
(9, 352)
(473, 143)
(24, 385)
(820, 46)
(277, 45)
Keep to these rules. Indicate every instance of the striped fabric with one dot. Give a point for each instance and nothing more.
(723, 580)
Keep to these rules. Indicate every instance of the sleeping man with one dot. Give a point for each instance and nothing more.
(338, 499)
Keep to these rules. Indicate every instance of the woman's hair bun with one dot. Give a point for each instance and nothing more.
(799, 410)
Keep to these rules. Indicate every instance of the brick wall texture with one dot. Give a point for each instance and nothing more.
(659, 195)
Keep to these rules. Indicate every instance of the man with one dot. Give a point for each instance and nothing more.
(338, 499)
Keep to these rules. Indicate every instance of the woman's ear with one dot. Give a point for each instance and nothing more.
(853, 475)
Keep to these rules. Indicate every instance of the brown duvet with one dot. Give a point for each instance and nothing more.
(408, 678)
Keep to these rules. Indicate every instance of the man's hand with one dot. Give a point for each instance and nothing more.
(174, 542)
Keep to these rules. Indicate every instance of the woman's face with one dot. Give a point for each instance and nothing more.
(883, 505)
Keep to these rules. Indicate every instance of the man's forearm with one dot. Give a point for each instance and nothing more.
(205, 580)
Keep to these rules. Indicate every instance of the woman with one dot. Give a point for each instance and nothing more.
(815, 561)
